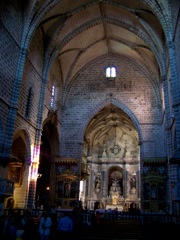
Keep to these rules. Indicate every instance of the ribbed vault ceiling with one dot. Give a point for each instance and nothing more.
(78, 32)
(111, 121)
(112, 127)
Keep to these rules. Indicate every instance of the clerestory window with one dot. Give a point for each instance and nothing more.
(110, 72)
(52, 97)
(29, 103)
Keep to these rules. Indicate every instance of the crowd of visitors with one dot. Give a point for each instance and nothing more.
(49, 225)
(53, 224)
(19, 227)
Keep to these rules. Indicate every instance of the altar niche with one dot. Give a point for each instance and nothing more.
(67, 188)
(66, 193)
(115, 189)
(115, 183)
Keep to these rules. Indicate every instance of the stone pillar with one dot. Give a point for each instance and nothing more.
(125, 185)
(31, 194)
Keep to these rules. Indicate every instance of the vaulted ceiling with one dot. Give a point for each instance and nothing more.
(111, 130)
(77, 32)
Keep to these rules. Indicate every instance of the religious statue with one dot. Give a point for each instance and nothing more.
(114, 202)
(67, 189)
(115, 184)
(133, 184)
(97, 184)
(115, 191)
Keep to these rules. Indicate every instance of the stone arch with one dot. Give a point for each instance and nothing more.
(23, 134)
(49, 149)
(51, 132)
(99, 106)
(20, 162)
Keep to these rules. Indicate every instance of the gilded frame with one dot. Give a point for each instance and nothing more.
(15, 172)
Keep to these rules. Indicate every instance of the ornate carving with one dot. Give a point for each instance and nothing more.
(116, 149)
(98, 183)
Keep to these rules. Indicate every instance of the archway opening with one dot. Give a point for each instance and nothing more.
(43, 180)
(111, 152)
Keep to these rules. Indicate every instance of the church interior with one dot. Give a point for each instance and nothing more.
(90, 105)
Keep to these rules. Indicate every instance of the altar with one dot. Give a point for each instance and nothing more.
(115, 207)
(115, 202)
(115, 199)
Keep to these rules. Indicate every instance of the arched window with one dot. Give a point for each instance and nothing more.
(52, 97)
(110, 72)
(55, 96)
(29, 103)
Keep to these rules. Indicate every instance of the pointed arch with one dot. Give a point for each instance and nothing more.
(99, 106)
